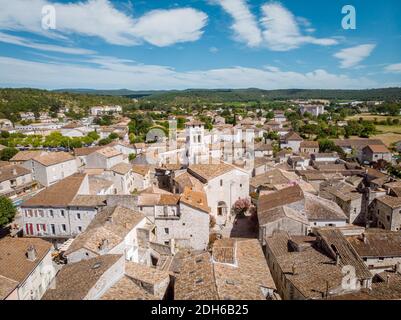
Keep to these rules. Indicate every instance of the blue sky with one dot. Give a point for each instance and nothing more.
(161, 44)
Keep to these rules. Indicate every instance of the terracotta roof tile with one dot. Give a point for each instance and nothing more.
(14, 263)
(58, 195)
(75, 280)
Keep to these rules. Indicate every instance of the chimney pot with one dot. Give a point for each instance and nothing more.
(364, 239)
(31, 253)
(103, 245)
(398, 267)
(294, 269)
(337, 259)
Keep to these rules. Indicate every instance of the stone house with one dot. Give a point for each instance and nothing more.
(374, 153)
(114, 230)
(347, 197)
(142, 177)
(109, 277)
(223, 184)
(309, 147)
(26, 268)
(122, 177)
(386, 212)
(379, 249)
(61, 210)
(15, 180)
(49, 168)
(305, 267)
(105, 158)
(181, 221)
(292, 140)
(295, 211)
(205, 276)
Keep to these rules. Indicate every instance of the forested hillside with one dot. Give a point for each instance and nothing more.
(13, 101)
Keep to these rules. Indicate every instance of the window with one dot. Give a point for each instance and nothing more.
(79, 229)
(78, 216)
(53, 228)
(165, 211)
(221, 183)
(51, 214)
(62, 213)
(240, 185)
(63, 228)
(166, 231)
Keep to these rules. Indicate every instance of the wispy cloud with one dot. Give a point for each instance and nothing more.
(278, 28)
(99, 18)
(351, 57)
(213, 50)
(393, 68)
(245, 25)
(109, 72)
(282, 32)
(7, 38)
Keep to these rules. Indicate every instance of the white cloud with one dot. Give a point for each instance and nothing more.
(99, 18)
(245, 24)
(166, 27)
(282, 32)
(113, 73)
(41, 46)
(213, 50)
(350, 57)
(393, 68)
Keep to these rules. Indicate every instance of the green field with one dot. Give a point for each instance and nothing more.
(389, 129)
(371, 117)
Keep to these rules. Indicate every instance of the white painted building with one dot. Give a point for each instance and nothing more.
(102, 110)
(182, 221)
(224, 184)
(49, 168)
(104, 158)
(26, 268)
(62, 210)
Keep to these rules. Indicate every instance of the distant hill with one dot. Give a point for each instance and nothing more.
(258, 95)
(119, 92)
(252, 94)
(13, 101)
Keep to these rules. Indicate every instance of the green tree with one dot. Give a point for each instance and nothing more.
(94, 135)
(7, 211)
(113, 136)
(7, 153)
(104, 141)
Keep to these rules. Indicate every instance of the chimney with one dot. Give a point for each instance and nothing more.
(294, 269)
(337, 259)
(364, 239)
(31, 253)
(398, 267)
(104, 244)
